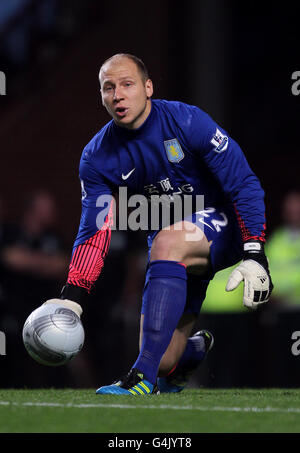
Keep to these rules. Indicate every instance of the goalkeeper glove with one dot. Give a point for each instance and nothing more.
(66, 303)
(68, 296)
(254, 270)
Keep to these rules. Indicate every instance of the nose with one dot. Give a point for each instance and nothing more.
(118, 95)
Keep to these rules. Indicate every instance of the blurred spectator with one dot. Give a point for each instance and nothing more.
(14, 36)
(3, 241)
(35, 249)
(34, 31)
(21, 22)
(33, 268)
(283, 251)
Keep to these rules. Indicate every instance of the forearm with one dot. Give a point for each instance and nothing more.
(86, 265)
(256, 229)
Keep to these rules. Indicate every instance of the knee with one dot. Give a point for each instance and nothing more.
(172, 245)
(165, 247)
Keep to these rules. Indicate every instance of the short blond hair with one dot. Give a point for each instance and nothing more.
(138, 62)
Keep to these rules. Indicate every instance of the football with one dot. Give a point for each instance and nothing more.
(53, 334)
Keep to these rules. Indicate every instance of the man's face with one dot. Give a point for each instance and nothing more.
(124, 94)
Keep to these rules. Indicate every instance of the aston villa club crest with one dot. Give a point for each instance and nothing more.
(174, 150)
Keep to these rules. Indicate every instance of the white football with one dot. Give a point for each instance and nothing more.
(53, 335)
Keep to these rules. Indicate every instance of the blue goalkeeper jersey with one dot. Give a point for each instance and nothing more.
(180, 150)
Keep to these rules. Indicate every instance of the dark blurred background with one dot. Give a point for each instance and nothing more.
(233, 60)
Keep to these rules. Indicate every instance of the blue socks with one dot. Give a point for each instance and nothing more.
(164, 305)
(194, 351)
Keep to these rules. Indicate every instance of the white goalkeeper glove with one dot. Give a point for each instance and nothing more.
(69, 295)
(74, 306)
(254, 270)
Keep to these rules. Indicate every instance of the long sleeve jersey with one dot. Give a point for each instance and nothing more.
(180, 150)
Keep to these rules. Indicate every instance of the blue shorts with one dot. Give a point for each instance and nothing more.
(220, 226)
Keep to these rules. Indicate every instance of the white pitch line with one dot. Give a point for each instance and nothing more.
(293, 410)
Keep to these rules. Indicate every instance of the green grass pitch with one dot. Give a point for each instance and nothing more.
(192, 411)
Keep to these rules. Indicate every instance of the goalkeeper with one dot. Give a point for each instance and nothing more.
(158, 147)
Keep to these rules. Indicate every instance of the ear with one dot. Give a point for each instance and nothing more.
(99, 78)
(101, 98)
(101, 94)
(149, 88)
